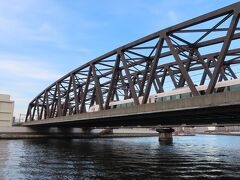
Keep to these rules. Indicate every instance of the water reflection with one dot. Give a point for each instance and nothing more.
(121, 158)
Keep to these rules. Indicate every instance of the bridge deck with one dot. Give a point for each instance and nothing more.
(219, 108)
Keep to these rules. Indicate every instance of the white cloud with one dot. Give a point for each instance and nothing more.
(23, 78)
(27, 69)
(22, 31)
(44, 32)
(14, 6)
(173, 16)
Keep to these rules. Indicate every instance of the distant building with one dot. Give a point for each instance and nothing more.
(228, 129)
(6, 110)
(211, 128)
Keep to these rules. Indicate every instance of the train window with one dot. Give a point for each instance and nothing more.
(235, 87)
(123, 105)
(174, 97)
(159, 99)
(220, 89)
(166, 98)
(203, 92)
(227, 88)
(185, 95)
(129, 104)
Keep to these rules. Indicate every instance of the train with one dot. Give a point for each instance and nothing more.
(175, 94)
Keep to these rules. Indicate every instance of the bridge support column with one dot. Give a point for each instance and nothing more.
(165, 135)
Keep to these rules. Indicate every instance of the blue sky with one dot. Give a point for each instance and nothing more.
(41, 40)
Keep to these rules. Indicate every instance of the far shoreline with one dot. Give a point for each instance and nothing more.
(15, 136)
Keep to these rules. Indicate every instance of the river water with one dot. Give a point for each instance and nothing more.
(189, 157)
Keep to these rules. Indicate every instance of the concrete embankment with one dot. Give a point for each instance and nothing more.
(29, 133)
(221, 133)
(72, 136)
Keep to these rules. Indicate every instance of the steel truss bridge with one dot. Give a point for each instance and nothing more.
(200, 51)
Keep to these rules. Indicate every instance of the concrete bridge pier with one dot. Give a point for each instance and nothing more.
(165, 135)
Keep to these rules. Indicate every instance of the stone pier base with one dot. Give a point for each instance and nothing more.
(165, 135)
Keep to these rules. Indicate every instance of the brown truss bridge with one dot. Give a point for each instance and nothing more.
(203, 50)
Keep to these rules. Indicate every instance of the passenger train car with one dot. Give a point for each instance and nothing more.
(178, 93)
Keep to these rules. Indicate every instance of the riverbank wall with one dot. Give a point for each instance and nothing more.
(220, 133)
(34, 133)
(18, 132)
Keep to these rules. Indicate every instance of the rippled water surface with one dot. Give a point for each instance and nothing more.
(192, 157)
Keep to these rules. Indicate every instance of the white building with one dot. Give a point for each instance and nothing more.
(6, 110)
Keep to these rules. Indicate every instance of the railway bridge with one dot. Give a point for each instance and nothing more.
(187, 74)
